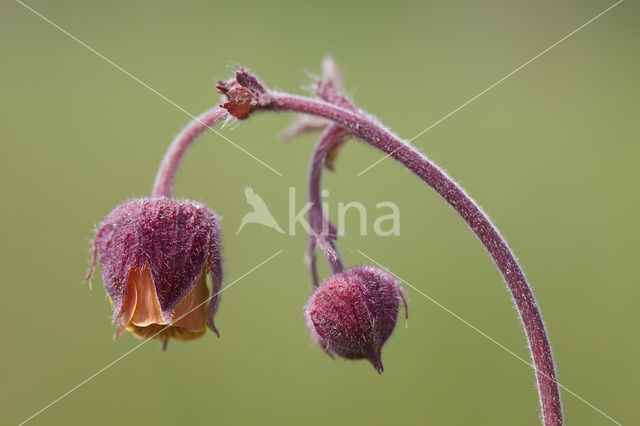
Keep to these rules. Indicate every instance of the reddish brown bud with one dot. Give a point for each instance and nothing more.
(352, 314)
(244, 94)
(240, 102)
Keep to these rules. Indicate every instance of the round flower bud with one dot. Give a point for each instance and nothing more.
(353, 313)
(155, 255)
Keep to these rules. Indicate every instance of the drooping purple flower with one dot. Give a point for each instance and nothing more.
(353, 313)
(155, 255)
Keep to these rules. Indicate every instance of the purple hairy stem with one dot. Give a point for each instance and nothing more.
(163, 186)
(368, 129)
(323, 232)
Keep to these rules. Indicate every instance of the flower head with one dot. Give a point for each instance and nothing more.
(155, 255)
(353, 313)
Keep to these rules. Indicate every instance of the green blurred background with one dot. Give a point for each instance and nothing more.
(551, 153)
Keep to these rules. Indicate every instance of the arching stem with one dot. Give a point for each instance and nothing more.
(163, 186)
(368, 129)
(323, 232)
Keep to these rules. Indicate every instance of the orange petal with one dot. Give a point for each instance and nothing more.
(189, 313)
(147, 307)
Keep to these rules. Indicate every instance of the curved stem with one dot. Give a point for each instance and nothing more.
(371, 131)
(163, 186)
(329, 88)
(323, 233)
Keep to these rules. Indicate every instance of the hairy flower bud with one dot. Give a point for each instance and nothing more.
(155, 255)
(353, 313)
(244, 94)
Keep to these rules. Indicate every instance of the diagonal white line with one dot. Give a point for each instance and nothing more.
(494, 85)
(458, 317)
(127, 73)
(91, 377)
